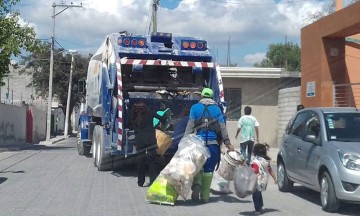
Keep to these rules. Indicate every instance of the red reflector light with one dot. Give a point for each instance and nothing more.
(193, 45)
(126, 41)
(200, 45)
(141, 42)
(133, 42)
(185, 44)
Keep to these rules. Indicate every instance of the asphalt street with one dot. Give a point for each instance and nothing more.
(51, 180)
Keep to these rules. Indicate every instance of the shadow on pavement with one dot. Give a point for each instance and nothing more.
(2, 180)
(264, 211)
(314, 197)
(16, 172)
(125, 171)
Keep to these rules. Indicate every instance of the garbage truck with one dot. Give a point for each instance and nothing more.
(162, 70)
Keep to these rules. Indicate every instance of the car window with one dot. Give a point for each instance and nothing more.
(298, 128)
(343, 127)
(313, 125)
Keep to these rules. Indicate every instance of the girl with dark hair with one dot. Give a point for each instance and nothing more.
(261, 166)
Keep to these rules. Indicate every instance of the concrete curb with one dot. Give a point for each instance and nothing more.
(52, 141)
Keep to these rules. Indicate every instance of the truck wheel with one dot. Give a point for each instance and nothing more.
(329, 201)
(94, 145)
(284, 183)
(82, 149)
(102, 159)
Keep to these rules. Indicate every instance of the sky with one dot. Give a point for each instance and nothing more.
(249, 26)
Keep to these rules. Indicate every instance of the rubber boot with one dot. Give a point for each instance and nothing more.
(196, 187)
(205, 186)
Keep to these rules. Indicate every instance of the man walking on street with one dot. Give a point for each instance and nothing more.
(206, 120)
(248, 128)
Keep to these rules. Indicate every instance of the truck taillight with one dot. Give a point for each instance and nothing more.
(126, 41)
(133, 42)
(195, 45)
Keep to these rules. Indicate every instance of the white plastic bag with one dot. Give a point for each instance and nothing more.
(186, 163)
(245, 180)
(219, 184)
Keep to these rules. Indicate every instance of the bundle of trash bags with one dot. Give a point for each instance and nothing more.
(182, 168)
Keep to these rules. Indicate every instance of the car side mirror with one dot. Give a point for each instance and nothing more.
(311, 138)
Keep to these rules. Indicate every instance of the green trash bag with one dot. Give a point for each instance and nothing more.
(161, 192)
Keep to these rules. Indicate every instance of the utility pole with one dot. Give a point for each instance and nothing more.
(286, 53)
(72, 52)
(48, 120)
(228, 62)
(153, 23)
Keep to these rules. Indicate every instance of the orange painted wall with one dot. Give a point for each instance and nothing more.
(325, 55)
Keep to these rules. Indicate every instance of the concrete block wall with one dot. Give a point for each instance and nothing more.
(288, 100)
(39, 126)
(13, 124)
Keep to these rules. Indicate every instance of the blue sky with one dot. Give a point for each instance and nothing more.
(252, 25)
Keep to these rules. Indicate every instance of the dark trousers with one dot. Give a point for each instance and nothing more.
(150, 158)
(258, 200)
(250, 145)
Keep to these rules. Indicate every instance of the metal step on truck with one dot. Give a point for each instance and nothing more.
(160, 70)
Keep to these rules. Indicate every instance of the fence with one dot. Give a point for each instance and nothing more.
(346, 95)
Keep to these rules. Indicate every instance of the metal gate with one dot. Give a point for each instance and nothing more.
(346, 95)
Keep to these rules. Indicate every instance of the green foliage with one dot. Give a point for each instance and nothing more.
(286, 56)
(39, 63)
(13, 37)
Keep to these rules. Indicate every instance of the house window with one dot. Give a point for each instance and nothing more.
(233, 100)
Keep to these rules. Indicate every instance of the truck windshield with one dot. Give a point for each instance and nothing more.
(344, 127)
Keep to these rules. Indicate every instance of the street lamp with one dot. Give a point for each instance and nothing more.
(72, 52)
(48, 120)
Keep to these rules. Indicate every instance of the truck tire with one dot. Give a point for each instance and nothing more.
(81, 147)
(102, 160)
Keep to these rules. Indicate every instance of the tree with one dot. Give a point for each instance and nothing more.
(13, 37)
(286, 56)
(329, 9)
(38, 61)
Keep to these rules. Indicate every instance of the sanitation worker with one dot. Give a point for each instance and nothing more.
(207, 121)
(146, 144)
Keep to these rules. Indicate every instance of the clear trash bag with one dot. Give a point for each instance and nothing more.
(186, 163)
(245, 180)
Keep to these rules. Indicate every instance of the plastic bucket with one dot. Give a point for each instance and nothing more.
(228, 163)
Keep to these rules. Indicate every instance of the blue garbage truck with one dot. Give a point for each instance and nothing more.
(161, 70)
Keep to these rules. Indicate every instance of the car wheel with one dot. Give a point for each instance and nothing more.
(284, 183)
(329, 201)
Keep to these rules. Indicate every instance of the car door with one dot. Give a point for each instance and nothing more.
(307, 158)
(291, 141)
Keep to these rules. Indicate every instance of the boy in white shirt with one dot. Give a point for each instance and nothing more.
(248, 128)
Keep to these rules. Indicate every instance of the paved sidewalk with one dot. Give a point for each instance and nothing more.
(53, 140)
(31, 146)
